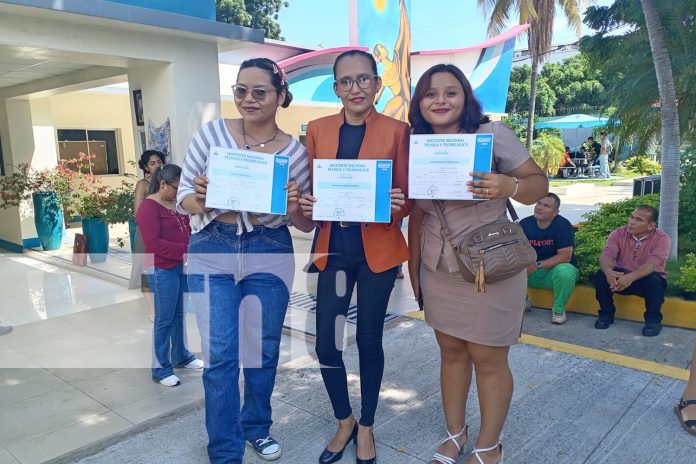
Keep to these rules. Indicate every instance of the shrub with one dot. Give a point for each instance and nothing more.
(590, 239)
(687, 279)
(643, 165)
(687, 194)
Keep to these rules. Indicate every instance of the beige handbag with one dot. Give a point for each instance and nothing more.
(492, 252)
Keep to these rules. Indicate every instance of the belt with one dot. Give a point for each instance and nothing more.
(345, 224)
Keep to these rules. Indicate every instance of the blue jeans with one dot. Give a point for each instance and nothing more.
(169, 335)
(240, 286)
(604, 166)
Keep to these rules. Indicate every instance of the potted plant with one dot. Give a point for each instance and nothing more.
(51, 191)
(101, 205)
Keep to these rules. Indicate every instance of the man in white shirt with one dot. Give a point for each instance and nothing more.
(604, 151)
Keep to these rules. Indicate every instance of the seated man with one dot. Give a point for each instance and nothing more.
(553, 238)
(566, 162)
(633, 263)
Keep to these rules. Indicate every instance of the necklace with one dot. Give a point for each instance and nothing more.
(248, 146)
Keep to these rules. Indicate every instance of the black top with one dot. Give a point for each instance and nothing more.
(350, 138)
(546, 242)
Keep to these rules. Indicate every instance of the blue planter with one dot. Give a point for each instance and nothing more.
(97, 232)
(48, 218)
(132, 228)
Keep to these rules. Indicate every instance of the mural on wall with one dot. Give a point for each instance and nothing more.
(382, 27)
(385, 29)
(159, 137)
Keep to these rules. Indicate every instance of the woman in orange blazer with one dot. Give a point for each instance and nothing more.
(364, 253)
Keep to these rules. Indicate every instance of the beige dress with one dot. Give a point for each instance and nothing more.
(453, 306)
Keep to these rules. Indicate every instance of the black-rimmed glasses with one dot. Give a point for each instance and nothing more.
(364, 82)
(258, 93)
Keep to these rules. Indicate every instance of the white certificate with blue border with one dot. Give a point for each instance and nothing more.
(244, 180)
(439, 166)
(352, 190)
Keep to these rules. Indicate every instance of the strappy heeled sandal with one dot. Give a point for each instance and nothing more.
(687, 424)
(441, 458)
(476, 452)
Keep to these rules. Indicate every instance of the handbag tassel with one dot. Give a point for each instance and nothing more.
(480, 280)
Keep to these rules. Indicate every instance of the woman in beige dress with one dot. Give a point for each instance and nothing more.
(473, 329)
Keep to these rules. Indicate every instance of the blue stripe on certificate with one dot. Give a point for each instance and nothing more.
(281, 172)
(483, 153)
(382, 187)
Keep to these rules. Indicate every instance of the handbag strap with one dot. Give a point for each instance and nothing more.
(513, 214)
(447, 236)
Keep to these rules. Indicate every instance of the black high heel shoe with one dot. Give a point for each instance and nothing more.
(366, 461)
(329, 457)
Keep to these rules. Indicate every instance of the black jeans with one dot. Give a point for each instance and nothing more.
(651, 288)
(347, 266)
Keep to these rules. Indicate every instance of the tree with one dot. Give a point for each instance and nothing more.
(669, 190)
(259, 14)
(645, 101)
(519, 90)
(539, 14)
(627, 58)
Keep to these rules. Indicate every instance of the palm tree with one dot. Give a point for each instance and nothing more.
(669, 189)
(539, 14)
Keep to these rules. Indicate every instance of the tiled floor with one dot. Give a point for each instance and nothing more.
(75, 370)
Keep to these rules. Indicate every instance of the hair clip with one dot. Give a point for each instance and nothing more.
(281, 73)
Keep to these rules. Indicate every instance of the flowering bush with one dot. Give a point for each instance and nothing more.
(112, 204)
(25, 181)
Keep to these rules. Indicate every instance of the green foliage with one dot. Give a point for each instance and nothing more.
(259, 14)
(687, 279)
(547, 151)
(578, 87)
(643, 165)
(519, 90)
(687, 197)
(628, 59)
(591, 237)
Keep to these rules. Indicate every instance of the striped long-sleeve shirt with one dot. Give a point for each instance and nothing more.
(216, 134)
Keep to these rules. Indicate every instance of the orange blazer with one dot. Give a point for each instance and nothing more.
(385, 138)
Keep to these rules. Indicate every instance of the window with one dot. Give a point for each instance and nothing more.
(100, 143)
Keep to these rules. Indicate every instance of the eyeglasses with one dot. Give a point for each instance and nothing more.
(258, 93)
(364, 82)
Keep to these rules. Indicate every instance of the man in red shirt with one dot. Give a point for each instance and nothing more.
(633, 263)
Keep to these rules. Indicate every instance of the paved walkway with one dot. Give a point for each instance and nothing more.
(565, 409)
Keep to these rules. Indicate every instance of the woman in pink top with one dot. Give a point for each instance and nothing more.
(166, 235)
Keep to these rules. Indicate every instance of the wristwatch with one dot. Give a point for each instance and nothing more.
(538, 264)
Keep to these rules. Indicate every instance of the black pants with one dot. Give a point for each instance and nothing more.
(347, 266)
(651, 288)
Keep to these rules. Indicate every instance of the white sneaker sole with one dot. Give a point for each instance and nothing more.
(267, 457)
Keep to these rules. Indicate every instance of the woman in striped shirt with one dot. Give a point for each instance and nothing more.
(241, 267)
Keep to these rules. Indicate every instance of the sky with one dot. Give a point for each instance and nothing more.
(435, 24)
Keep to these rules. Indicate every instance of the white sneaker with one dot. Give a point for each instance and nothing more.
(171, 381)
(195, 364)
(558, 318)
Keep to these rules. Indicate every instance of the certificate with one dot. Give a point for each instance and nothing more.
(352, 190)
(243, 180)
(439, 165)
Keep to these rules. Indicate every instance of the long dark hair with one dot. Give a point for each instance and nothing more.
(145, 158)
(279, 80)
(169, 173)
(472, 116)
(362, 53)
